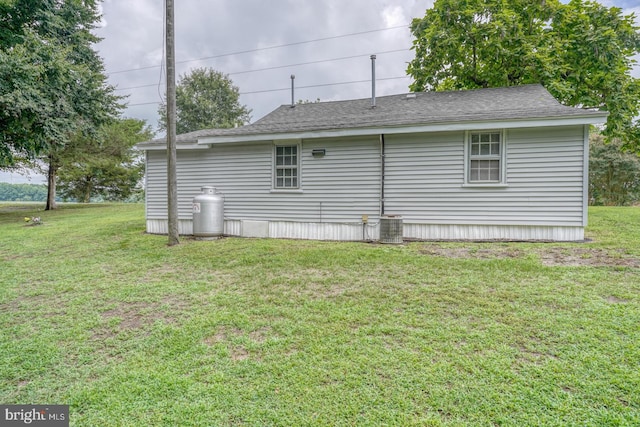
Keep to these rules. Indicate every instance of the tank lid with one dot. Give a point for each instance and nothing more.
(208, 189)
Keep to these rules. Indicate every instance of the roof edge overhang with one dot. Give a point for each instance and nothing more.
(162, 145)
(206, 141)
(590, 119)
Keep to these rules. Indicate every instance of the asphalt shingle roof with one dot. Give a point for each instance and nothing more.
(414, 109)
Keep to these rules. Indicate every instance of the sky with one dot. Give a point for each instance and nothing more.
(326, 44)
(258, 44)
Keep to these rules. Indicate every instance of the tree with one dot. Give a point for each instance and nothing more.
(206, 99)
(52, 83)
(106, 165)
(581, 52)
(614, 175)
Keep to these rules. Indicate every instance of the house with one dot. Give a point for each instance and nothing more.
(488, 164)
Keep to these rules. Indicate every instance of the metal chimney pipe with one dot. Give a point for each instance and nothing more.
(293, 102)
(373, 81)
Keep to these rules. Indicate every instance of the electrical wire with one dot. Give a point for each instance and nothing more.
(299, 87)
(263, 48)
(276, 67)
(324, 85)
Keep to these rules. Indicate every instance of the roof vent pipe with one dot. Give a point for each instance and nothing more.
(293, 102)
(373, 81)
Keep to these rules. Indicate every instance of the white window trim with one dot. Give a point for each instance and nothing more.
(286, 143)
(502, 183)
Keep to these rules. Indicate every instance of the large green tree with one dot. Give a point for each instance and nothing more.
(206, 99)
(582, 52)
(52, 82)
(104, 165)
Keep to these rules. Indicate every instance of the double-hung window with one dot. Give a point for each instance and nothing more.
(287, 161)
(485, 157)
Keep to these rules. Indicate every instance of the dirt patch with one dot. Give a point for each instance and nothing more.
(260, 335)
(473, 253)
(136, 316)
(317, 284)
(226, 334)
(616, 300)
(216, 338)
(239, 354)
(229, 336)
(223, 334)
(588, 257)
(549, 255)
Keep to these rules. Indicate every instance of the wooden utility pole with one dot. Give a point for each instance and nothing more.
(172, 180)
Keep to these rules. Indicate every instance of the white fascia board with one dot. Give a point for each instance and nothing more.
(392, 130)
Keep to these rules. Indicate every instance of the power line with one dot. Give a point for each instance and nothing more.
(276, 67)
(316, 62)
(299, 87)
(264, 48)
(324, 84)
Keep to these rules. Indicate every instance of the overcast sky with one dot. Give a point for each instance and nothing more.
(260, 44)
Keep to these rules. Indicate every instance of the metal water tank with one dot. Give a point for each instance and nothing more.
(391, 229)
(208, 213)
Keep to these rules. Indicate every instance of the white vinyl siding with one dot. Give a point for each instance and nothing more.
(339, 187)
(425, 180)
(425, 176)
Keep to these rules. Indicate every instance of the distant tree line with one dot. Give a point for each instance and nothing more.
(38, 193)
(23, 192)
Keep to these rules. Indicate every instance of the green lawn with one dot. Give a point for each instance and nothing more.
(240, 332)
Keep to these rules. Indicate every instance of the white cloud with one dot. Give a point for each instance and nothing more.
(394, 16)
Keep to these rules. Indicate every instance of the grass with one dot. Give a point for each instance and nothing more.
(129, 332)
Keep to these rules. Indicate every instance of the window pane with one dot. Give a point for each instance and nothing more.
(286, 166)
(484, 151)
(474, 174)
(494, 174)
(484, 170)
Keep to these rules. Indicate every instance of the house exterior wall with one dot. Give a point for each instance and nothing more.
(335, 189)
(424, 179)
(542, 199)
